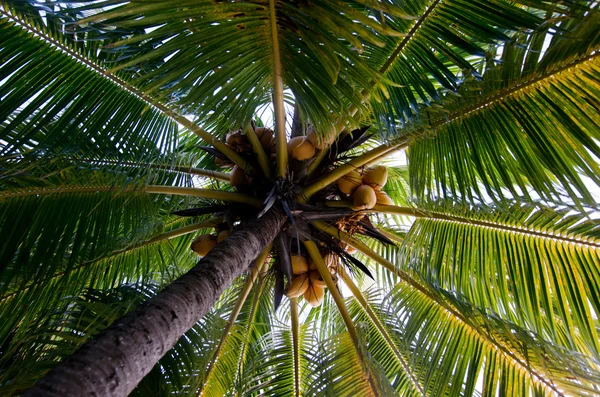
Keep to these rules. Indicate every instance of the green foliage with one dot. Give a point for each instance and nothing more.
(528, 129)
(546, 283)
(52, 105)
(493, 289)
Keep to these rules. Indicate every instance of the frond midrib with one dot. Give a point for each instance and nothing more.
(495, 97)
(409, 36)
(128, 87)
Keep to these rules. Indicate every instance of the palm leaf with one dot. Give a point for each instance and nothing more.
(450, 351)
(524, 131)
(521, 271)
(53, 104)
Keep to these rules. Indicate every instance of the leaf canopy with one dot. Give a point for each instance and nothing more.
(492, 286)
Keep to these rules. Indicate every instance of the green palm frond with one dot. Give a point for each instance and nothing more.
(451, 350)
(529, 129)
(443, 47)
(52, 104)
(233, 39)
(520, 271)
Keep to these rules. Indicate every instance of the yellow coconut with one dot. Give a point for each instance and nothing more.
(364, 198)
(223, 235)
(298, 286)
(203, 244)
(314, 295)
(349, 182)
(375, 177)
(383, 198)
(315, 278)
(299, 264)
(238, 177)
(323, 140)
(311, 265)
(300, 148)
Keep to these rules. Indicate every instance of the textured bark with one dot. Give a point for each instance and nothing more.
(115, 361)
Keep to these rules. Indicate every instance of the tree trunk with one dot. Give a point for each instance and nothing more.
(114, 362)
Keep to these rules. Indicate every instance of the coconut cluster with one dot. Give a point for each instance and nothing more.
(206, 242)
(365, 189)
(307, 280)
(300, 148)
(362, 187)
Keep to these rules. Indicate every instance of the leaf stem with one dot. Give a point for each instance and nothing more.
(153, 189)
(315, 255)
(339, 172)
(416, 213)
(523, 363)
(261, 263)
(222, 176)
(182, 231)
(380, 327)
(295, 344)
(280, 137)
(263, 160)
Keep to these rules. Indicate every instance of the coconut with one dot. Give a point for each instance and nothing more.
(299, 264)
(238, 141)
(312, 265)
(349, 182)
(383, 198)
(266, 137)
(300, 148)
(375, 177)
(315, 279)
(238, 177)
(364, 198)
(321, 141)
(314, 295)
(203, 244)
(298, 286)
(223, 235)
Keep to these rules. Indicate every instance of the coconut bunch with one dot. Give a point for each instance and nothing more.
(204, 243)
(295, 274)
(365, 190)
(307, 281)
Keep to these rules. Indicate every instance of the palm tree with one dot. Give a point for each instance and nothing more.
(132, 131)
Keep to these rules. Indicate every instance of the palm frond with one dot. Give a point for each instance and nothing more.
(381, 344)
(52, 104)
(450, 352)
(542, 275)
(529, 130)
(237, 33)
(443, 47)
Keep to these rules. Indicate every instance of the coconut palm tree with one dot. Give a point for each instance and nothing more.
(419, 217)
